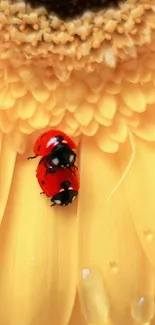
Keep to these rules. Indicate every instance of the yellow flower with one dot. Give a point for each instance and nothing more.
(92, 77)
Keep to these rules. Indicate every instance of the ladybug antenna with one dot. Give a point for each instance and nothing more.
(132, 144)
(32, 157)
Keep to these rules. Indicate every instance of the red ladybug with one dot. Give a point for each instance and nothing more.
(57, 147)
(62, 186)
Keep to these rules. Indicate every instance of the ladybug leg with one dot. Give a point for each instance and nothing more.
(33, 157)
(52, 205)
(75, 167)
(44, 193)
(72, 171)
(70, 168)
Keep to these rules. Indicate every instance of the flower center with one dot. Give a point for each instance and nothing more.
(72, 8)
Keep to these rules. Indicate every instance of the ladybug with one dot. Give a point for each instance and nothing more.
(62, 186)
(58, 149)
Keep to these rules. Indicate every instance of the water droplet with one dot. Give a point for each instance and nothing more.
(143, 309)
(114, 267)
(93, 297)
(33, 260)
(148, 234)
(85, 273)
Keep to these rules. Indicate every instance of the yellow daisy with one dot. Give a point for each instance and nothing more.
(92, 77)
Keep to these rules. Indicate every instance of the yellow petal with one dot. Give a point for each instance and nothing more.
(101, 119)
(26, 107)
(7, 163)
(6, 125)
(113, 88)
(133, 97)
(143, 308)
(12, 113)
(105, 143)
(146, 75)
(41, 94)
(90, 129)
(149, 93)
(39, 256)
(26, 73)
(93, 297)
(146, 126)
(118, 131)
(7, 100)
(133, 121)
(55, 120)
(141, 179)
(17, 141)
(107, 105)
(133, 76)
(1, 136)
(92, 97)
(71, 121)
(25, 127)
(149, 63)
(84, 113)
(77, 96)
(77, 317)
(67, 129)
(40, 119)
(11, 75)
(58, 110)
(94, 81)
(146, 131)
(51, 102)
(33, 85)
(107, 235)
(124, 110)
(18, 89)
(51, 83)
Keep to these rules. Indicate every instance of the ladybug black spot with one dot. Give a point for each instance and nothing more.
(65, 185)
(39, 147)
(42, 182)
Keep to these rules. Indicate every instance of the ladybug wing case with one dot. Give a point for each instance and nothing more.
(49, 183)
(72, 177)
(45, 143)
(58, 133)
(69, 141)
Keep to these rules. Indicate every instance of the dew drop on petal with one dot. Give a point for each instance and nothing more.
(143, 309)
(113, 266)
(32, 259)
(93, 297)
(148, 234)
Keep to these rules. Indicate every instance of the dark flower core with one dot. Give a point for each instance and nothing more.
(71, 8)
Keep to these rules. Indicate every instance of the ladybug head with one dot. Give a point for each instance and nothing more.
(66, 194)
(62, 156)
